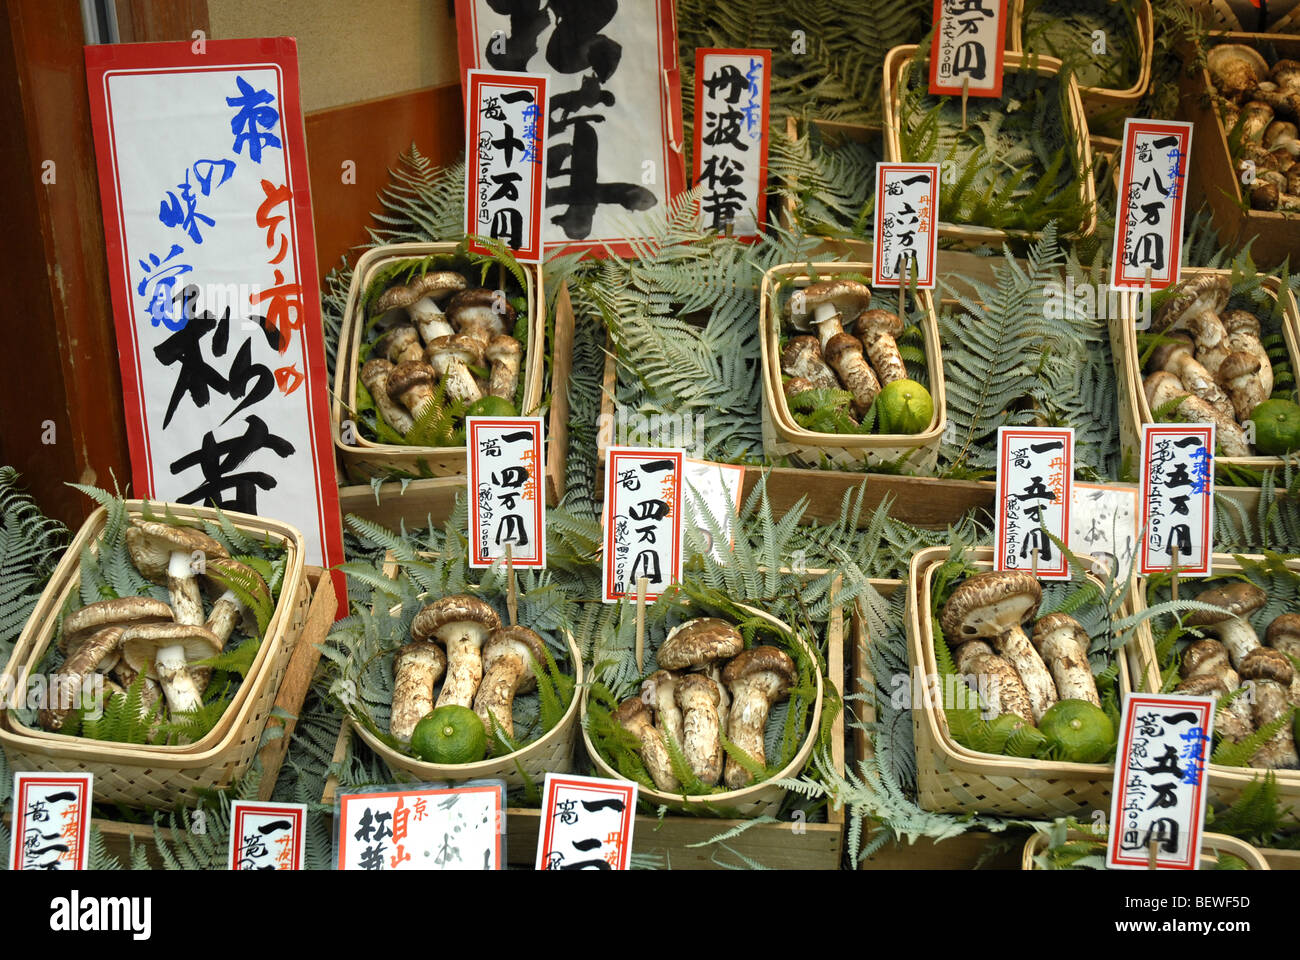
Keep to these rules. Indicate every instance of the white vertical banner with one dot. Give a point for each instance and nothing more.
(1150, 203)
(51, 821)
(731, 135)
(907, 213)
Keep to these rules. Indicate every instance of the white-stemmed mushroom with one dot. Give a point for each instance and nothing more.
(462, 624)
(1236, 602)
(399, 345)
(878, 330)
(1284, 634)
(94, 654)
(802, 358)
(994, 679)
(451, 358)
(412, 384)
(659, 692)
(635, 717)
(170, 648)
(1162, 387)
(505, 354)
(374, 374)
(1272, 673)
(1176, 356)
(481, 314)
(697, 696)
(758, 678)
(1240, 374)
(165, 554)
(122, 611)
(1241, 330)
(844, 353)
(1208, 659)
(417, 667)
(1063, 644)
(508, 658)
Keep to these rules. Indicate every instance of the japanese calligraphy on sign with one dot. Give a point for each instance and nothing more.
(907, 210)
(1034, 496)
(715, 488)
(731, 129)
(505, 131)
(613, 131)
(1104, 526)
(207, 218)
(507, 471)
(968, 47)
(1151, 200)
(586, 823)
(51, 821)
(1177, 489)
(643, 520)
(426, 827)
(267, 836)
(1159, 789)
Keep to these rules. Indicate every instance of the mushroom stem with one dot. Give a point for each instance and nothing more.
(1272, 673)
(1063, 643)
(877, 329)
(505, 353)
(464, 669)
(416, 670)
(635, 717)
(697, 696)
(178, 686)
(1162, 387)
(187, 602)
(802, 357)
(1002, 689)
(659, 690)
(844, 351)
(1015, 647)
(430, 320)
(374, 374)
(758, 678)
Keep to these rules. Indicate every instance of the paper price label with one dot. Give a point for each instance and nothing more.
(586, 823)
(1151, 202)
(1034, 484)
(267, 836)
(731, 131)
(1104, 525)
(644, 503)
(424, 828)
(907, 211)
(1177, 490)
(507, 488)
(967, 53)
(715, 488)
(51, 825)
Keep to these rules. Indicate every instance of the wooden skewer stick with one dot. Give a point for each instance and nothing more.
(965, 93)
(512, 601)
(641, 585)
(1035, 563)
(1151, 853)
(1173, 570)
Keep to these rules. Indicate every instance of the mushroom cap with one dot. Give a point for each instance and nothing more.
(240, 573)
(1203, 656)
(697, 642)
(1238, 365)
(1152, 385)
(467, 350)
(797, 385)
(1264, 195)
(140, 644)
(1238, 599)
(1202, 685)
(633, 714)
(1236, 68)
(872, 323)
(123, 611)
(372, 370)
(989, 604)
(1284, 627)
(796, 347)
(435, 284)
(457, 608)
(151, 544)
(1049, 624)
(1278, 131)
(517, 640)
(1286, 74)
(503, 347)
(764, 659)
(1193, 296)
(408, 375)
(1175, 345)
(842, 343)
(1265, 663)
(395, 340)
(696, 684)
(1240, 321)
(849, 297)
(480, 307)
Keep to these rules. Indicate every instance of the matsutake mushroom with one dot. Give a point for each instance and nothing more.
(461, 623)
(699, 642)
(1175, 356)
(399, 345)
(1284, 634)
(412, 384)
(1063, 644)
(1208, 659)
(417, 667)
(120, 612)
(508, 658)
(878, 330)
(505, 354)
(418, 300)
(844, 353)
(1236, 69)
(1162, 387)
(758, 678)
(451, 358)
(1242, 336)
(635, 717)
(374, 374)
(1003, 690)
(1272, 673)
(697, 696)
(170, 648)
(165, 554)
(660, 692)
(481, 314)
(1240, 374)
(802, 358)
(96, 653)
(1236, 602)
(995, 605)
(823, 306)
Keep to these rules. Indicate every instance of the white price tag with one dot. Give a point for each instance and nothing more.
(1177, 498)
(1034, 482)
(1151, 201)
(507, 490)
(731, 96)
(423, 828)
(969, 41)
(644, 499)
(586, 823)
(51, 824)
(1104, 525)
(907, 212)
(716, 487)
(267, 836)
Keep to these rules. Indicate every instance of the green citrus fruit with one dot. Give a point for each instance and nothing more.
(491, 407)
(1080, 732)
(1277, 427)
(450, 734)
(904, 406)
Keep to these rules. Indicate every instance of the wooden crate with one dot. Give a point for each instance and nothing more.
(364, 458)
(1215, 179)
(783, 437)
(789, 846)
(1099, 102)
(954, 779)
(1212, 845)
(1133, 407)
(972, 235)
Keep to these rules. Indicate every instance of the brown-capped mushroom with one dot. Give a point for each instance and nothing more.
(96, 653)
(165, 554)
(699, 642)
(995, 679)
(1286, 74)
(1162, 387)
(802, 357)
(758, 678)
(1236, 602)
(374, 374)
(1190, 298)
(697, 697)
(844, 353)
(1284, 634)
(1255, 118)
(508, 658)
(481, 314)
(1279, 132)
(1209, 658)
(635, 717)
(119, 612)
(399, 345)
(417, 667)
(1264, 195)
(169, 648)
(1272, 674)
(995, 605)
(878, 330)
(1236, 69)
(1240, 374)
(660, 691)
(419, 301)
(1175, 355)
(411, 384)
(451, 358)
(505, 354)
(1063, 644)
(1242, 335)
(1229, 722)
(462, 624)
(824, 306)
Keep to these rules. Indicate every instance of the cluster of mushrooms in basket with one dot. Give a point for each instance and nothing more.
(825, 355)
(424, 346)
(707, 682)
(487, 664)
(1211, 359)
(1217, 665)
(127, 636)
(1263, 103)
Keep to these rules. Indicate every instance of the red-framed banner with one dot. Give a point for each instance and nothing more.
(1150, 203)
(267, 836)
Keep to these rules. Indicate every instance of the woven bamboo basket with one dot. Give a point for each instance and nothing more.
(1212, 846)
(972, 235)
(365, 458)
(756, 800)
(1227, 783)
(1133, 407)
(160, 776)
(954, 779)
(783, 437)
(1099, 100)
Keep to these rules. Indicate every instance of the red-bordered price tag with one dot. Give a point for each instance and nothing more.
(1034, 491)
(507, 490)
(969, 42)
(267, 836)
(644, 503)
(51, 821)
(1177, 490)
(907, 213)
(426, 827)
(586, 823)
(1150, 204)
